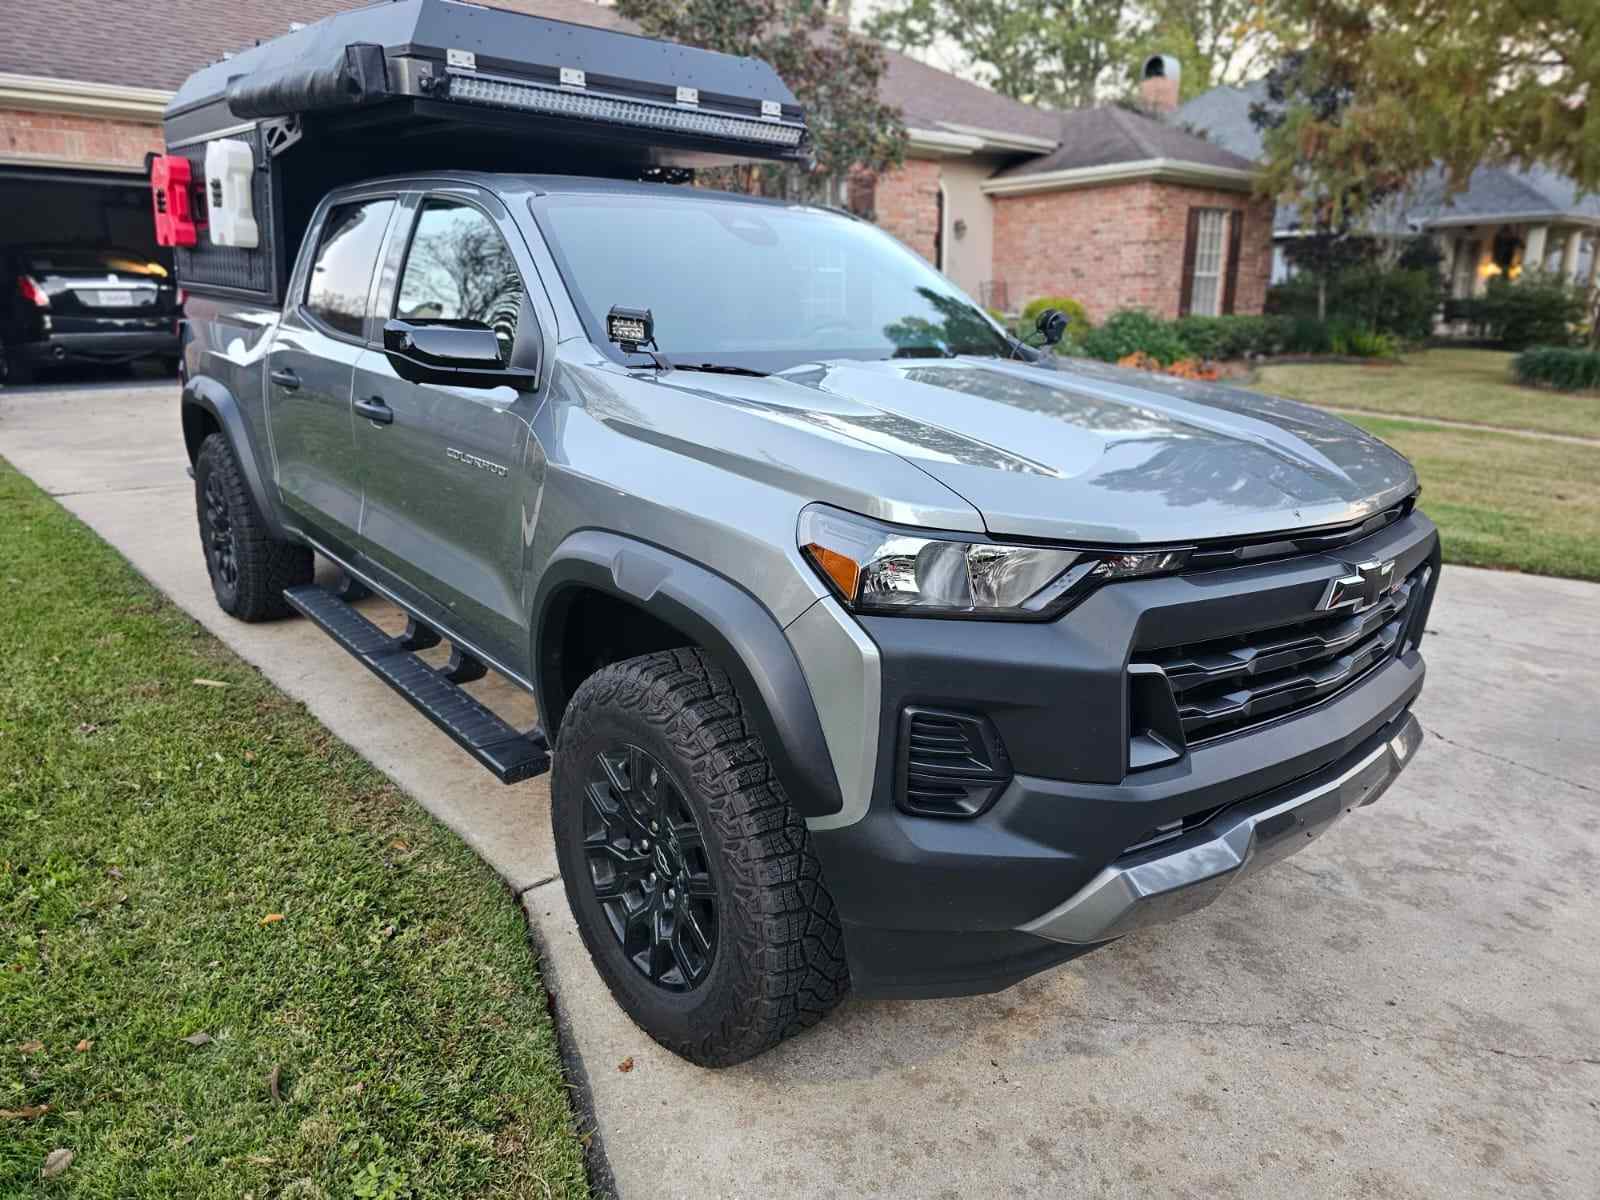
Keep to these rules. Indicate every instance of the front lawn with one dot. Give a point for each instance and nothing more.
(234, 960)
(1460, 385)
(1525, 504)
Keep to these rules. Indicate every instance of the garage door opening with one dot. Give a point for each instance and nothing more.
(82, 282)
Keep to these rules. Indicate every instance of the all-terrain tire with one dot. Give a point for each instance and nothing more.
(778, 966)
(249, 568)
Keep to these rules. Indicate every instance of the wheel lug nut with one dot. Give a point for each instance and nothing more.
(644, 843)
(652, 826)
(671, 895)
(652, 879)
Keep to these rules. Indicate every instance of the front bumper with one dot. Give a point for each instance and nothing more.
(1172, 880)
(937, 906)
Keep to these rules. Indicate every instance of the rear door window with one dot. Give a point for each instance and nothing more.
(341, 273)
(459, 268)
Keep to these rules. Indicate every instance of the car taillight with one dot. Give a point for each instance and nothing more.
(30, 291)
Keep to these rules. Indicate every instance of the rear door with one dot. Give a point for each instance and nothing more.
(101, 290)
(311, 364)
(452, 475)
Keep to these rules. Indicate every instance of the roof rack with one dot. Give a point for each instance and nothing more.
(418, 85)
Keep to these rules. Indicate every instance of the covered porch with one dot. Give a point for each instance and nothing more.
(1476, 251)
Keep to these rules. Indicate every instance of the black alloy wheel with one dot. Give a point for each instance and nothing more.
(649, 869)
(221, 545)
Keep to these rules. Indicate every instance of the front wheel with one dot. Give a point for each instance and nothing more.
(689, 874)
(249, 568)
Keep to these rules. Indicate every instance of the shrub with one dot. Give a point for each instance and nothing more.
(1132, 331)
(1078, 322)
(1307, 335)
(1231, 336)
(1532, 310)
(1558, 367)
(1401, 302)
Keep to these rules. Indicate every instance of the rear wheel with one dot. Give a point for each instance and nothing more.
(249, 568)
(689, 874)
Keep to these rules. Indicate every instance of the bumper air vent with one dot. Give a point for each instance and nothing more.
(950, 764)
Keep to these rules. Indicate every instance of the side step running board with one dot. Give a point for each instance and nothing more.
(512, 756)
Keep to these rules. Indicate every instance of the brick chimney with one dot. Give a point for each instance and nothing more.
(1158, 84)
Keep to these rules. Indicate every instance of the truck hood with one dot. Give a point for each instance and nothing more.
(1097, 453)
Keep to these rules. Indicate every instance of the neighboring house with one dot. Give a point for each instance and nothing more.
(1112, 207)
(1508, 220)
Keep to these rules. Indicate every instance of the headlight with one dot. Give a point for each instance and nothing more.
(877, 568)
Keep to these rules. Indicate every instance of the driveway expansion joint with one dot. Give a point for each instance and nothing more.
(519, 893)
(1511, 762)
(1347, 1034)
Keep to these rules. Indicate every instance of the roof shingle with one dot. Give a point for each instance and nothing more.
(1094, 137)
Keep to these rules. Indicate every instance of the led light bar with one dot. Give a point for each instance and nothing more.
(504, 93)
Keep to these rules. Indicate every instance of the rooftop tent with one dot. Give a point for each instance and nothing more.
(417, 85)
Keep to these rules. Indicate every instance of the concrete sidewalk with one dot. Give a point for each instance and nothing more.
(1409, 1008)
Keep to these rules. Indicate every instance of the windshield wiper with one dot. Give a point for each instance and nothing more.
(712, 368)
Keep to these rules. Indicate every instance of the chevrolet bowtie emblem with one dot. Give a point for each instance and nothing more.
(1369, 583)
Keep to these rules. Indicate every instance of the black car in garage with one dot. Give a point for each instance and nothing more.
(66, 304)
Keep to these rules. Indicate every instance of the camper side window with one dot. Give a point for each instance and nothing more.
(459, 268)
(341, 273)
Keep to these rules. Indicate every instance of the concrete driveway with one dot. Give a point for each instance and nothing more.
(1409, 1008)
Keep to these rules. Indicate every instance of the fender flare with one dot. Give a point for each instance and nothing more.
(721, 617)
(211, 396)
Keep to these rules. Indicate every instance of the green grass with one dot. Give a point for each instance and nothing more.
(1457, 385)
(1505, 501)
(148, 826)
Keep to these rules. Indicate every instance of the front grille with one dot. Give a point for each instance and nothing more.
(1229, 684)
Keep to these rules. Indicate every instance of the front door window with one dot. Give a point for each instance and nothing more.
(460, 269)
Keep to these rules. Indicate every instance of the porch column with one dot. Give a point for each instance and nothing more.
(1533, 250)
(1569, 256)
(1594, 263)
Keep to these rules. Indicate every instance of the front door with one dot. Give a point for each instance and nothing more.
(310, 367)
(452, 474)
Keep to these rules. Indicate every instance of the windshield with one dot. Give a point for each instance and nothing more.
(757, 286)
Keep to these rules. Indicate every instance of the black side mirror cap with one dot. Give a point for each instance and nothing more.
(1052, 325)
(454, 353)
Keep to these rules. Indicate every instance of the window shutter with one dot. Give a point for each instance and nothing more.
(1186, 289)
(1231, 287)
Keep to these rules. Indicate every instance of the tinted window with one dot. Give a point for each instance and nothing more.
(758, 285)
(459, 268)
(341, 275)
(90, 261)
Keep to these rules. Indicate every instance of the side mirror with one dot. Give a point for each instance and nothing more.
(454, 353)
(1052, 325)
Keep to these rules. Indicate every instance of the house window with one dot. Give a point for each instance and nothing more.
(1210, 262)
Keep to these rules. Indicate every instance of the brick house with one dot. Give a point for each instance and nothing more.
(1112, 207)
(1115, 208)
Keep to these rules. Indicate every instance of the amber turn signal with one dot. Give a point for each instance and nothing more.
(842, 570)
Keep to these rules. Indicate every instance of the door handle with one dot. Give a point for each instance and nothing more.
(376, 411)
(286, 379)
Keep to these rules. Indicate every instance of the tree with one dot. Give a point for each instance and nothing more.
(1333, 200)
(1430, 84)
(832, 71)
(1214, 41)
(1054, 52)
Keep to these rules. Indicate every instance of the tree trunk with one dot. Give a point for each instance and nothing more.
(1322, 297)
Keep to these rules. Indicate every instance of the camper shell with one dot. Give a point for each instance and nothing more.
(436, 84)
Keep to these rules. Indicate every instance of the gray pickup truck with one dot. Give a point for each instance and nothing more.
(872, 649)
